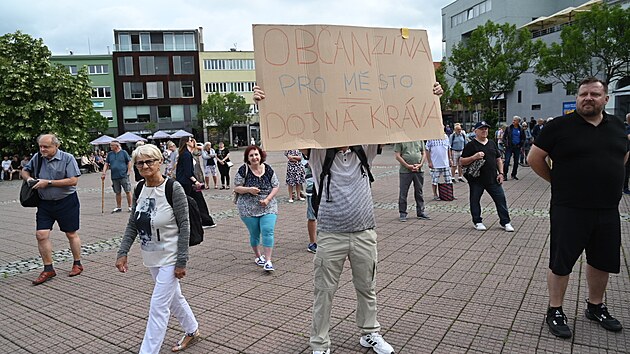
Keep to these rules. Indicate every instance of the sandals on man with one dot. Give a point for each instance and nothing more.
(186, 341)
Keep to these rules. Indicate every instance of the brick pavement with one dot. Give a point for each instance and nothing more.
(442, 286)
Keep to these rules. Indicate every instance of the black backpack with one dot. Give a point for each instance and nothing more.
(194, 216)
(328, 160)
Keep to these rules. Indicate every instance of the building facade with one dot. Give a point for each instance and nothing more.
(225, 72)
(100, 72)
(527, 99)
(156, 74)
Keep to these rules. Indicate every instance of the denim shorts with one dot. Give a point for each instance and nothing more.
(119, 184)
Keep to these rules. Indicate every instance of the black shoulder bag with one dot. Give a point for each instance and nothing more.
(29, 197)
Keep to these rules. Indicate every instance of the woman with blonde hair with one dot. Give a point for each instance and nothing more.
(164, 232)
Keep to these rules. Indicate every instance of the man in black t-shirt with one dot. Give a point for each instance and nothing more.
(490, 179)
(588, 148)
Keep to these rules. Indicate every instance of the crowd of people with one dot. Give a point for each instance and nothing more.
(339, 212)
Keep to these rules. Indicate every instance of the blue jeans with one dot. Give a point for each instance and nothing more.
(498, 196)
(261, 226)
(512, 150)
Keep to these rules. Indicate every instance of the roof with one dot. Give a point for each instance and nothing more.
(561, 17)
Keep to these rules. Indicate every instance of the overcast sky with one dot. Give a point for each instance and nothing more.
(86, 27)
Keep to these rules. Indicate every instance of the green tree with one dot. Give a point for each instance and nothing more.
(492, 59)
(596, 44)
(224, 111)
(38, 97)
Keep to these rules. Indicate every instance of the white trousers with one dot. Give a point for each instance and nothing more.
(167, 298)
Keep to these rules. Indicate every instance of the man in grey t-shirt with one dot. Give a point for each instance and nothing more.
(119, 162)
(56, 183)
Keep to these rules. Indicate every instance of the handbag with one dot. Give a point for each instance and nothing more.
(229, 164)
(474, 169)
(29, 197)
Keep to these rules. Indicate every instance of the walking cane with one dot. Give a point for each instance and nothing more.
(102, 196)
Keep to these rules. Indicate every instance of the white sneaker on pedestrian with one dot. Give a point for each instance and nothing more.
(268, 267)
(327, 351)
(260, 260)
(376, 342)
(116, 210)
(480, 227)
(508, 227)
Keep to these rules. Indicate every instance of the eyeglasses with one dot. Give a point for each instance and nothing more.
(149, 163)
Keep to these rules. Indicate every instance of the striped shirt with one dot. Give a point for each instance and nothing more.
(350, 207)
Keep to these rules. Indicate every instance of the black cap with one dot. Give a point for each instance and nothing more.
(481, 124)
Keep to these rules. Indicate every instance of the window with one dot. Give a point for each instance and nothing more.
(98, 69)
(183, 65)
(536, 107)
(520, 96)
(179, 41)
(155, 90)
(543, 87)
(145, 41)
(177, 113)
(124, 42)
(228, 64)
(107, 114)
(101, 92)
(153, 65)
(133, 90)
(471, 13)
(164, 113)
(136, 114)
(177, 89)
(125, 66)
(72, 69)
(225, 87)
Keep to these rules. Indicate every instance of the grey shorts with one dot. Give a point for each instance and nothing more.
(119, 184)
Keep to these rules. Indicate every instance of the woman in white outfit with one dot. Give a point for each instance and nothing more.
(164, 232)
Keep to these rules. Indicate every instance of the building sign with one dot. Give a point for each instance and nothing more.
(568, 107)
(329, 86)
(98, 104)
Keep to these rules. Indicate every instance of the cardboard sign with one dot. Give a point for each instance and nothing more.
(330, 86)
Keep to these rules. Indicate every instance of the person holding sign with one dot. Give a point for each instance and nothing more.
(345, 217)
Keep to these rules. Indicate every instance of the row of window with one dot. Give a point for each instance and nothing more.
(152, 65)
(226, 87)
(228, 64)
(92, 69)
(470, 13)
(142, 114)
(145, 41)
(154, 90)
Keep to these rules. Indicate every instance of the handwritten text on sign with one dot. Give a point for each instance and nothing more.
(330, 86)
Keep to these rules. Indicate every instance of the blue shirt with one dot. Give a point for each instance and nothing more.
(118, 163)
(516, 136)
(458, 141)
(60, 166)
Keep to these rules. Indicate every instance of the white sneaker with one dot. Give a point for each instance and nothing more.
(260, 260)
(268, 267)
(481, 227)
(508, 227)
(327, 351)
(376, 342)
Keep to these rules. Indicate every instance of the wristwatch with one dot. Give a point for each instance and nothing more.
(50, 182)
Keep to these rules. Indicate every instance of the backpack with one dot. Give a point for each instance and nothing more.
(328, 161)
(194, 216)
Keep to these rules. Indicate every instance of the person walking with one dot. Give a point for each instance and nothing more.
(439, 158)
(190, 181)
(119, 162)
(210, 165)
(514, 138)
(411, 156)
(164, 232)
(584, 212)
(256, 185)
(295, 174)
(457, 141)
(56, 185)
(223, 159)
(484, 152)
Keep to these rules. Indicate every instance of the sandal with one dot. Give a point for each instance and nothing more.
(186, 341)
